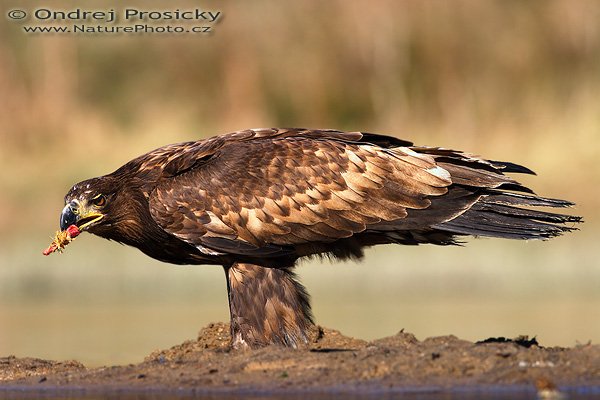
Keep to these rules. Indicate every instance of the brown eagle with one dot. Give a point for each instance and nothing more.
(257, 200)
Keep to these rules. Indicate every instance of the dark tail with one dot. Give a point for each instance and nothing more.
(501, 214)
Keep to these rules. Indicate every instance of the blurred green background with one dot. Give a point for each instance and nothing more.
(506, 79)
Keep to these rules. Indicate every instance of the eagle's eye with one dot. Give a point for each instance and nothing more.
(99, 201)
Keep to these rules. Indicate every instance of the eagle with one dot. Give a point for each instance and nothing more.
(256, 201)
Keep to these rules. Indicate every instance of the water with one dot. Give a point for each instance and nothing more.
(432, 393)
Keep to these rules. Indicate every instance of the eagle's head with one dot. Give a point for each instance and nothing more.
(116, 207)
(94, 205)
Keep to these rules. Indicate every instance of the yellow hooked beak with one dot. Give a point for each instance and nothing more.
(77, 214)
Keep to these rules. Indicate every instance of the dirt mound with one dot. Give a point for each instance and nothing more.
(330, 361)
(13, 368)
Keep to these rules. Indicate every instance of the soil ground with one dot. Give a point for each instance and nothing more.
(331, 361)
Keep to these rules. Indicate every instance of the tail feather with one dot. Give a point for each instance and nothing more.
(503, 208)
(519, 199)
(506, 166)
(497, 214)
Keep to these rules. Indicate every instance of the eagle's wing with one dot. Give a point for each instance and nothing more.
(261, 192)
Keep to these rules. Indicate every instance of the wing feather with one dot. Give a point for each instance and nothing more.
(271, 189)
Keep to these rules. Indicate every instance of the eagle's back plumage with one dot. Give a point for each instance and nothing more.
(285, 193)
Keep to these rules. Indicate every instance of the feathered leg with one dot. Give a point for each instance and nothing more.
(267, 306)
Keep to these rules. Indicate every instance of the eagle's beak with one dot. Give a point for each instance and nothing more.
(76, 214)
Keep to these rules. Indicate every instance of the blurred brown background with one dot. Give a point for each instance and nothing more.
(505, 79)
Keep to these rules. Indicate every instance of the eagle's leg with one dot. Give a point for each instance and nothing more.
(267, 306)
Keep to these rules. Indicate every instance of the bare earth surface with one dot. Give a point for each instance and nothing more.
(331, 362)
